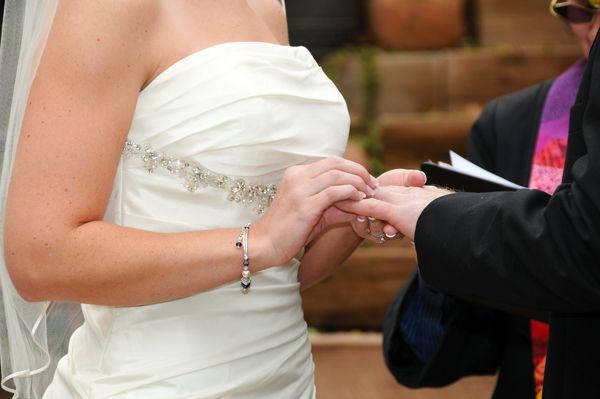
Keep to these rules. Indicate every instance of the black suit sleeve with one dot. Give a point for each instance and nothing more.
(481, 338)
(526, 248)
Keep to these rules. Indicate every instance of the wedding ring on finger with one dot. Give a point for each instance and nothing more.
(381, 237)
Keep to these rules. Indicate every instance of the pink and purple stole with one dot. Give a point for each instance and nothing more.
(546, 174)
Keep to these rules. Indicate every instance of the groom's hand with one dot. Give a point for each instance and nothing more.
(373, 229)
(399, 206)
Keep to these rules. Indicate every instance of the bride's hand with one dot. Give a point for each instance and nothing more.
(302, 207)
(403, 177)
(375, 230)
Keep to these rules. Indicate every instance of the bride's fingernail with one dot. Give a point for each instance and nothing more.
(371, 191)
(362, 194)
(374, 181)
(360, 219)
(425, 176)
(370, 218)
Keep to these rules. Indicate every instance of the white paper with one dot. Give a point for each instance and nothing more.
(464, 166)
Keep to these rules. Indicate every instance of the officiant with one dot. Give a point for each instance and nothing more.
(529, 249)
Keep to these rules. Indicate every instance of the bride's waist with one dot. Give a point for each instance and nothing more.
(202, 327)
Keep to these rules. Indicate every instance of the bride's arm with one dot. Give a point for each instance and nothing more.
(326, 253)
(79, 111)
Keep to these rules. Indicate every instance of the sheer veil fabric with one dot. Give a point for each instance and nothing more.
(33, 336)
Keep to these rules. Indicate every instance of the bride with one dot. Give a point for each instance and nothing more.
(170, 165)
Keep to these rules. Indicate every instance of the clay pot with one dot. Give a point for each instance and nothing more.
(417, 24)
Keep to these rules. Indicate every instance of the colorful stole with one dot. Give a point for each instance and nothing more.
(546, 174)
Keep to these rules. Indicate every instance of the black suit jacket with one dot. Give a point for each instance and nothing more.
(530, 249)
(480, 340)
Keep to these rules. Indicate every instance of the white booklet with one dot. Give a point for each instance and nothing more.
(465, 175)
(469, 168)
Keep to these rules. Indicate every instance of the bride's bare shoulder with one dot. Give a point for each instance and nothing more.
(139, 38)
(109, 15)
(104, 33)
(271, 12)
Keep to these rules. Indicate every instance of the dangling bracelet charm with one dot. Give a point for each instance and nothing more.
(242, 242)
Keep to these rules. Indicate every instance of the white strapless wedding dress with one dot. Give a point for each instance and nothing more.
(233, 111)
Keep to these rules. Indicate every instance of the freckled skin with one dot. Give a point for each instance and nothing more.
(76, 116)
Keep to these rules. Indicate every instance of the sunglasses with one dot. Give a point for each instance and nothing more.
(574, 13)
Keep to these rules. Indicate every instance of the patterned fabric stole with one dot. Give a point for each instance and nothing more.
(546, 174)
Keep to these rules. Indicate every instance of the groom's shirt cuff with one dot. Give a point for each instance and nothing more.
(425, 319)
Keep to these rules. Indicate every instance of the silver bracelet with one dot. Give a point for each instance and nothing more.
(242, 242)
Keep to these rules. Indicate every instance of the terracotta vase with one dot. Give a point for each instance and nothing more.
(417, 24)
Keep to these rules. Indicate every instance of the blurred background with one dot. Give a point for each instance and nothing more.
(415, 74)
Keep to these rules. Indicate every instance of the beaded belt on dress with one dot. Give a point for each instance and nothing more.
(195, 176)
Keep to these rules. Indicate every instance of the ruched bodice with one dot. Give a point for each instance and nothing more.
(237, 111)
(244, 110)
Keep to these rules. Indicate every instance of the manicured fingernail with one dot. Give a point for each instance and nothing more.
(362, 194)
(390, 236)
(360, 219)
(374, 181)
(370, 218)
(425, 176)
(371, 191)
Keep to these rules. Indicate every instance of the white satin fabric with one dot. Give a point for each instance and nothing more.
(245, 110)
